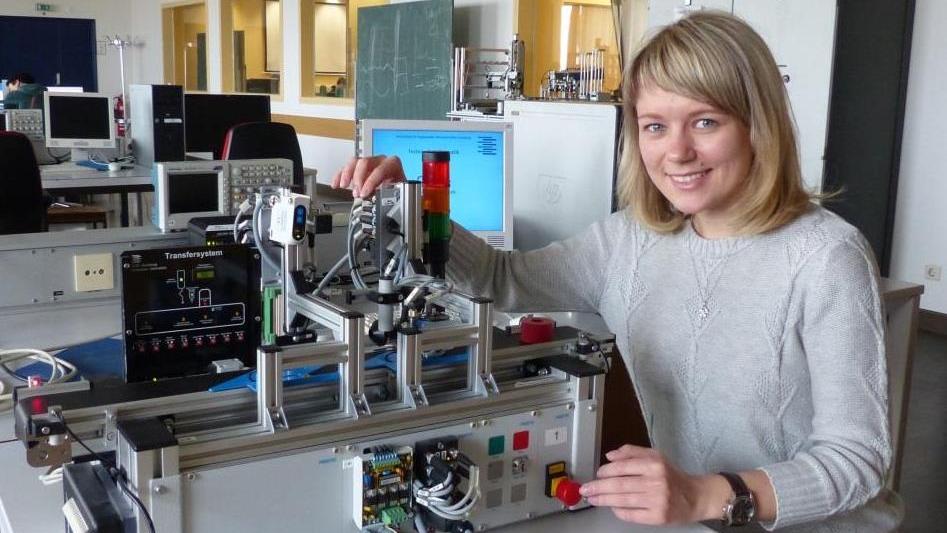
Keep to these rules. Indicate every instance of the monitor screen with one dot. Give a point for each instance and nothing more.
(78, 120)
(192, 192)
(477, 168)
(208, 117)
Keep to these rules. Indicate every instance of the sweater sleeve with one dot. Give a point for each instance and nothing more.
(843, 462)
(566, 275)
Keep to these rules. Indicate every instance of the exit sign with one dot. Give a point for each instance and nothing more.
(45, 7)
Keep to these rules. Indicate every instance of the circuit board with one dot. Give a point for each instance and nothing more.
(385, 477)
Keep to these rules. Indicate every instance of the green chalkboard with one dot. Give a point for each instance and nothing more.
(403, 67)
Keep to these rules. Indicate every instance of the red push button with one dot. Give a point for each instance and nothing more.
(521, 440)
(567, 491)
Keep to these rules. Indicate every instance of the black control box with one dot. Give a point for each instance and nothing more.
(210, 231)
(184, 308)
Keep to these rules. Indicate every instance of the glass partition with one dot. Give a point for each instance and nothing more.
(252, 46)
(329, 41)
(558, 32)
(184, 30)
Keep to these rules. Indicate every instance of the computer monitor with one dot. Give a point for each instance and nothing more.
(208, 117)
(481, 167)
(189, 189)
(78, 120)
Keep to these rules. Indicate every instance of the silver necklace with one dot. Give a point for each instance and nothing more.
(704, 294)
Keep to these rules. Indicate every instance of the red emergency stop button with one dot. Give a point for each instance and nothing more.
(567, 491)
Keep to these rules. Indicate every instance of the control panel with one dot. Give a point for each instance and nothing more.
(29, 122)
(476, 475)
(249, 176)
(184, 308)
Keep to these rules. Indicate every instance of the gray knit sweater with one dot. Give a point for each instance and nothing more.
(749, 352)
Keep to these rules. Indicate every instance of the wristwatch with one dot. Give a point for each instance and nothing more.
(741, 509)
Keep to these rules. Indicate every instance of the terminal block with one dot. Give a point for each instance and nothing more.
(382, 493)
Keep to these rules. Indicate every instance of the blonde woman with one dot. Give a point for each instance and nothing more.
(749, 318)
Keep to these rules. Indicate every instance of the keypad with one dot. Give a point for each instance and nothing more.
(248, 178)
(29, 122)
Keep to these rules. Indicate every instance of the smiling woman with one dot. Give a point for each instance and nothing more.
(737, 84)
(696, 155)
(748, 318)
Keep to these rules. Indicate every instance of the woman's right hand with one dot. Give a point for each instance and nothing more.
(365, 174)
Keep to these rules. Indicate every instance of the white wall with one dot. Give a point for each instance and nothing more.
(921, 217)
(111, 18)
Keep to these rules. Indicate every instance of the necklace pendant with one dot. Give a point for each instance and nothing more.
(703, 312)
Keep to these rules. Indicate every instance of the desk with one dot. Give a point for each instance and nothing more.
(88, 181)
(902, 306)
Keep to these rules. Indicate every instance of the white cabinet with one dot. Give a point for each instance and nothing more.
(662, 12)
(801, 35)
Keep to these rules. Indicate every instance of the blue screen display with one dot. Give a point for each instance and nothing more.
(476, 169)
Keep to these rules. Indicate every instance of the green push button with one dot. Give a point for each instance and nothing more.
(495, 445)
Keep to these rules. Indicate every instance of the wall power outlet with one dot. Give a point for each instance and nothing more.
(932, 272)
(94, 272)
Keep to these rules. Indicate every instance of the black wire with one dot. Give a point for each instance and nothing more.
(114, 472)
(11, 374)
(130, 494)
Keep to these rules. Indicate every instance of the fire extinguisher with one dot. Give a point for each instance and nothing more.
(119, 116)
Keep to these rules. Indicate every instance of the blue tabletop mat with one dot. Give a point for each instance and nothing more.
(318, 374)
(95, 360)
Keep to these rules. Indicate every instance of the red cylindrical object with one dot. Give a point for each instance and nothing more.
(435, 169)
(568, 492)
(536, 329)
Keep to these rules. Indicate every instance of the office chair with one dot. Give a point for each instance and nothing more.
(260, 140)
(22, 203)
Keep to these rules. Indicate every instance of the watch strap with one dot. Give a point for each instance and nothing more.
(740, 510)
(736, 483)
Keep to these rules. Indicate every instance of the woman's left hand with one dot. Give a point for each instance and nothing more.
(642, 486)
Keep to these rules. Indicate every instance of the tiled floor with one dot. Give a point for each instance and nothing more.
(924, 468)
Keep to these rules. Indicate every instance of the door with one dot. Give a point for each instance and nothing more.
(239, 62)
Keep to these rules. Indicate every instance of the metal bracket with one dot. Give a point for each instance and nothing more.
(417, 395)
(488, 385)
(358, 404)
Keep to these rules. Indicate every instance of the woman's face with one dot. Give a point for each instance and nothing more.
(697, 156)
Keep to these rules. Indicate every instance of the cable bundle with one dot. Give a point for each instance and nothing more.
(441, 497)
(61, 371)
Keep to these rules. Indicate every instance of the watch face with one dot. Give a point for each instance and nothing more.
(743, 510)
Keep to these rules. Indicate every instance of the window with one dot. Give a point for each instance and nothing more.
(184, 31)
(558, 32)
(328, 46)
(252, 47)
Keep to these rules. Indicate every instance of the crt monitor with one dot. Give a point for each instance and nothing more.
(208, 117)
(78, 120)
(481, 167)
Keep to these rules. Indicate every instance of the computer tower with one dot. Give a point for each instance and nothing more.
(157, 123)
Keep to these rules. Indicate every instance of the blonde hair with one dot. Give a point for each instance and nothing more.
(718, 59)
